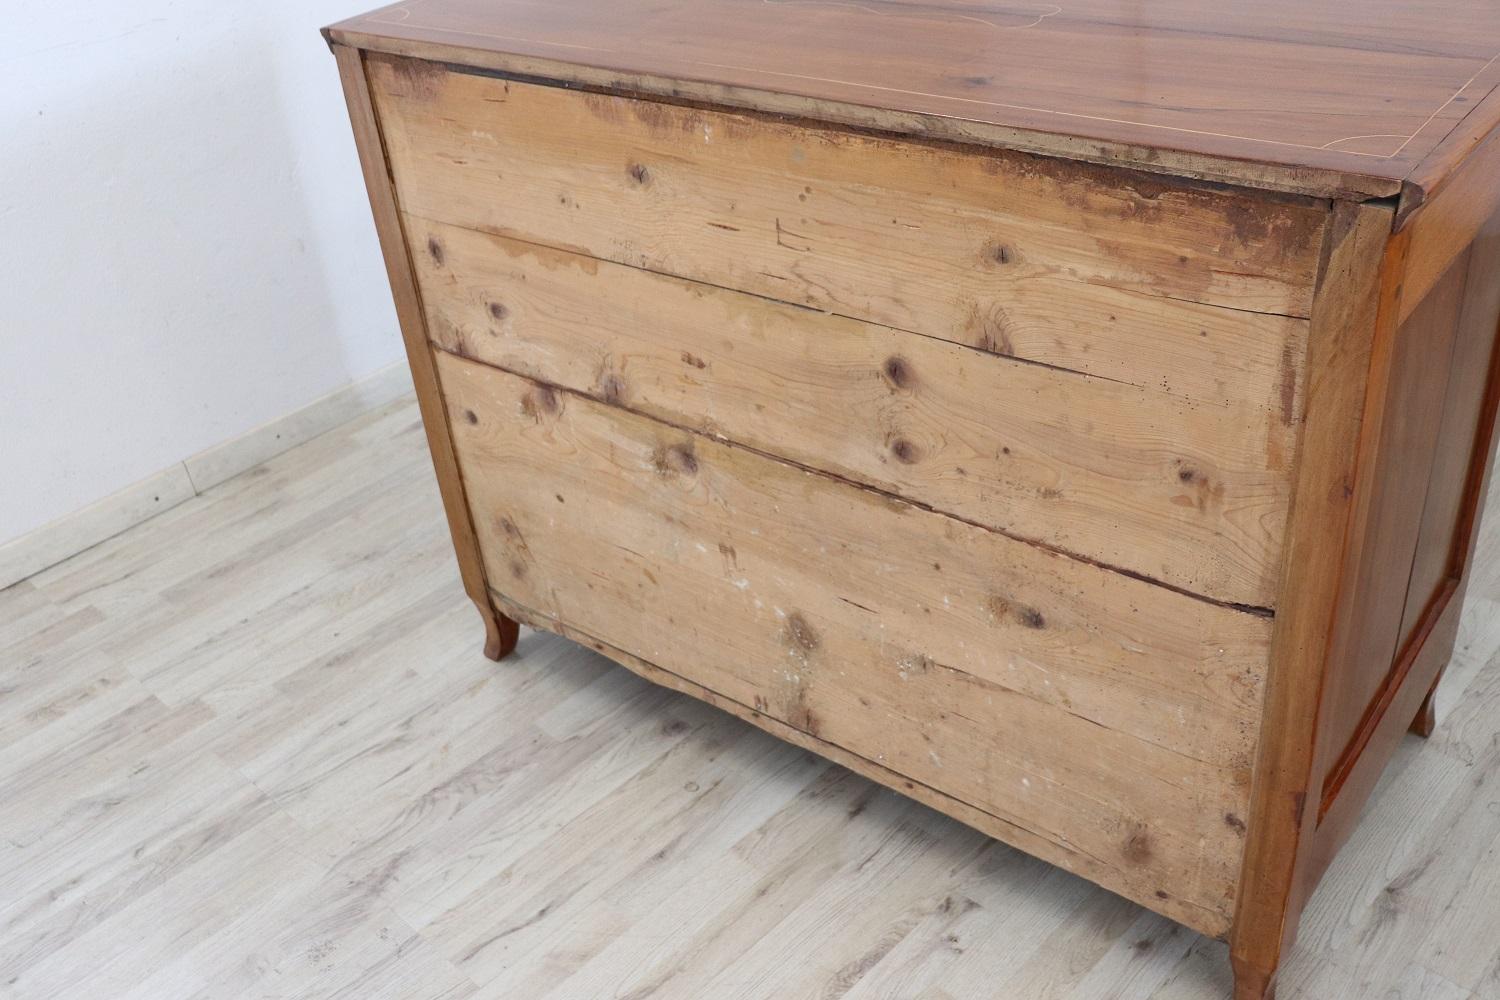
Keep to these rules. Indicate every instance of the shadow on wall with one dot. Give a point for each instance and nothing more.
(189, 251)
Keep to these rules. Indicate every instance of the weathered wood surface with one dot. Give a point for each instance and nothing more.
(1323, 95)
(1396, 573)
(1063, 264)
(658, 322)
(272, 762)
(1111, 719)
(1282, 822)
(500, 634)
(1193, 494)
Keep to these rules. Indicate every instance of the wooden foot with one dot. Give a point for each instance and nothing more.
(1252, 982)
(500, 633)
(1426, 720)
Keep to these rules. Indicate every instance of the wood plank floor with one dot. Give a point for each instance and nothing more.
(250, 749)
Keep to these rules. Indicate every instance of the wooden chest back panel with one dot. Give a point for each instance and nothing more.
(1069, 267)
(1056, 495)
(1113, 718)
(1194, 494)
(1064, 264)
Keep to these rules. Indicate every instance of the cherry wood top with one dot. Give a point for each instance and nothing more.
(1322, 96)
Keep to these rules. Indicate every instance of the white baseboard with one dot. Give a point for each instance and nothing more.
(208, 469)
(71, 534)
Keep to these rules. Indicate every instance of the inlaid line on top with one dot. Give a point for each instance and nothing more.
(402, 14)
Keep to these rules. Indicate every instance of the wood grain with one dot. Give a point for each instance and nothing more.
(356, 801)
(1444, 533)
(1045, 261)
(1193, 494)
(500, 634)
(1451, 222)
(727, 392)
(1110, 717)
(1343, 344)
(1407, 425)
(1325, 95)
(1424, 649)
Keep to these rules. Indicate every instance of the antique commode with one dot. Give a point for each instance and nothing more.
(1074, 417)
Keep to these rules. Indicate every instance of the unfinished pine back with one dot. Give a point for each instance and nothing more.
(1114, 497)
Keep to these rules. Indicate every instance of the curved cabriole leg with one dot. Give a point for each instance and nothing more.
(500, 632)
(1426, 720)
(1252, 982)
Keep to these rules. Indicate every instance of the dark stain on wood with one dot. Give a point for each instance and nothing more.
(675, 459)
(541, 401)
(898, 371)
(418, 78)
(1137, 847)
(1001, 253)
(803, 718)
(905, 451)
(799, 634)
(1003, 609)
(987, 329)
(1206, 492)
(611, 388)
(435, 250)
(1289, 382)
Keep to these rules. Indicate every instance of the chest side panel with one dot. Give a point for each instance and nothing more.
(1438, 413)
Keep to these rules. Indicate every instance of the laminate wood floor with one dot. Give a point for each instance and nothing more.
(251, 749)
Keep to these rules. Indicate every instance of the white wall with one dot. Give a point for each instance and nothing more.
(185, 247)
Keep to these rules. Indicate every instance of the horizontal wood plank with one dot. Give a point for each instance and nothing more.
(1192, 494)
(1086, 268)
(1111, 717)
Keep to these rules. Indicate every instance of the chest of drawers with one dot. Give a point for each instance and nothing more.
(980, 395)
